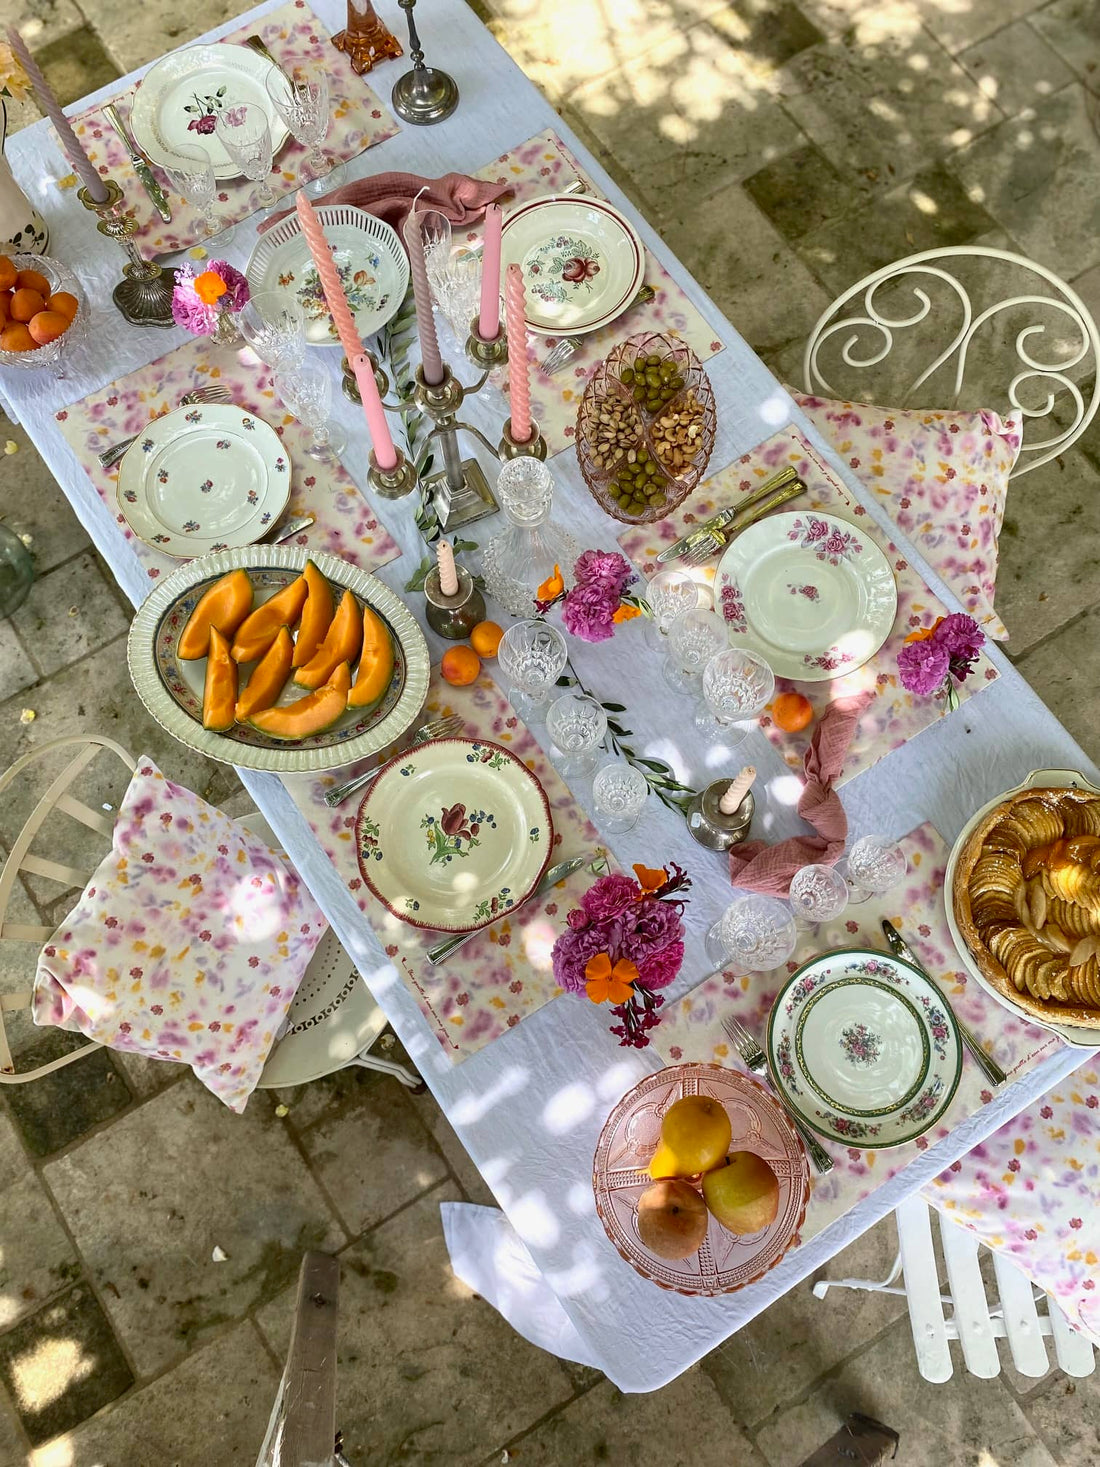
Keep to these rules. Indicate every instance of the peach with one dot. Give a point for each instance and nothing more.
(63, 303)
(16, 337)
(27, 302)
(33, 280)
(47, 326)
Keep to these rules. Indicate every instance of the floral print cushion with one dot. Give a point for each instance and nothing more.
(187, 944)
(1030, 1192)
(943, 479)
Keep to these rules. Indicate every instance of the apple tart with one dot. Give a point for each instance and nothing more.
(1027, 902)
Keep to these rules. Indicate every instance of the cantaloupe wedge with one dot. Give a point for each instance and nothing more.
(311, 714)
(268, 677)
(219, 693)
(225, 606)
(257, 632)
(375, 662)
(345, 637)
(317, 616)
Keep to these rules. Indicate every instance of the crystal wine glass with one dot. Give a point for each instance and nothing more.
(577, 724)
(875, 866)
(619, 793)
(737, 685)
(818, 894)
(755, 932)
(307, 393)
(274, 325)
(191, 174)
(299, 93)
(531, 656)
(435, 231)
(670, 593)
(243, 131)
(457, 291)
(693, 639)
(520, 557)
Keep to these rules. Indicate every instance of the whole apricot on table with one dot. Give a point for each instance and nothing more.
(63, 303)
(792, 712)
(8, 273)
(460, 666)
(33, 280)
(26, 303)
(48, 326)
(16, 337)
(485, 638)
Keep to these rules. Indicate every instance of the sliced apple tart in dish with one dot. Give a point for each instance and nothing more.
(1027, 902)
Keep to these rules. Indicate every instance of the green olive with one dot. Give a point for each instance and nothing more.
(626, 377)
(651, 468)
(653, 360)
(639, 392)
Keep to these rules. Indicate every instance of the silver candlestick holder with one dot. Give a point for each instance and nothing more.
(461, 494)
(453, 617)
(145, 295)
(350, 387)
(423, 95)
(713, 829)
(532, 447)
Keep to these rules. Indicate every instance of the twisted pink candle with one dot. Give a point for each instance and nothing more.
(430, 359)
(335, 298)
(488, 326)
(519, 381)
(97, 189)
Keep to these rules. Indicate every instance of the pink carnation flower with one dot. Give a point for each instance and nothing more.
(609, 897)
(661, 968)
(923, 667)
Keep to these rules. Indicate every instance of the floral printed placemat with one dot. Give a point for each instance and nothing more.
(505, 973)
(692, 1028)
(345, 523)
(894, 715)
(544, 165)
(293, 32)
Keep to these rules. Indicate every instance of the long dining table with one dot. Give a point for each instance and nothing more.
(529, 1106)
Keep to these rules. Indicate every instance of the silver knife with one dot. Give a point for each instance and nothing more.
(901, 949)
(443, 950)
(726, 516)
(140, 164)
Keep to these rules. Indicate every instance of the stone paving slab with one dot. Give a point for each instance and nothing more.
(1016, 68)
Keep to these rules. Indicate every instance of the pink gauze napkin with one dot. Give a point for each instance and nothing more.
(187, 944)
(390, 196)
(756, 866)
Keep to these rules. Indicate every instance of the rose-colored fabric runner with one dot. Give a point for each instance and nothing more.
(756, 866)
(390, 196)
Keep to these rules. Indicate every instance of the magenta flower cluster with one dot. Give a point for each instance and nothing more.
(599, 579)
(948, 655)
(196, 315)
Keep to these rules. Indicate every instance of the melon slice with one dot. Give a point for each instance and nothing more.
(219, 693)
(375, 662)
(311, 714)
(345, 637)
(225, 605)
(317, 616)
(256, 634)
(268, 677)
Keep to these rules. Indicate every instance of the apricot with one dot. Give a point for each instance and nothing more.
(63, 303)
(47, 326)
(460, 666)
(792, 712)
(485, 638)
(33, 280)
(26, 303)
(16, 337)
(5, 307)
(8, 273)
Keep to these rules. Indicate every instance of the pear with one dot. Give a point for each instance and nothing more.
(743, 1194)
(695, 1136)
(672, 1219)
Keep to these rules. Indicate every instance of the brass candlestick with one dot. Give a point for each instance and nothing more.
(145, 296)
(392, 483)
(366, 40)
(453, 617)
(533, 447)
(423, 95)
(486, 354)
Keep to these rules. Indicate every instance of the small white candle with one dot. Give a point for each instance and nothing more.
(738, 789)
(448, 575)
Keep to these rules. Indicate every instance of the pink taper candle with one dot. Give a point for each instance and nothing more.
(97, 189)
(448, 576)
(519, 381)
(384, 452)
(431, 361)
(488, 325)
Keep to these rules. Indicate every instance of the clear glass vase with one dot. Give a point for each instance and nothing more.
(519, 558)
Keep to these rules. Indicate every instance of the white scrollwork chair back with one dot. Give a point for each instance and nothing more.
(1045, 336)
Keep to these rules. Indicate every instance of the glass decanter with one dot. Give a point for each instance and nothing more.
(520, 557)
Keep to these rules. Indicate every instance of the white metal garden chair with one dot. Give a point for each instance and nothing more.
(333, 1021)
(973, 1321)
(922, 305)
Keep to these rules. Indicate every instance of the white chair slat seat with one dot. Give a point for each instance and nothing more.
(973, 1324)
(1074, 1351)
(1022, 1325)
(918, 1261)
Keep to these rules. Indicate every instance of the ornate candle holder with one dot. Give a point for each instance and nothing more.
(366, 40)
(461, 493)
(710, 827)
(486, 354)
(453, 617)
(145, 296)
(350, 387)
(423, 95)
(534, 447)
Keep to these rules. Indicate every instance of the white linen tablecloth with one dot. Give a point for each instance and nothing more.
(530, 1105)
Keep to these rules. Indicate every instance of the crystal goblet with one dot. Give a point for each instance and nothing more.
(307, 393)
(693, 639)
(755, 932)
(243, 131)
(274, 326)
(619, 793)
(531, 656)
(299, 92)
(577, 724)
(191, 174)
(875, 865)
(737, 685)
(818, 894)
(670, 593)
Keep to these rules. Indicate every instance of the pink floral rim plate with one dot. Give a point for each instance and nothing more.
(725, 1262)
(864, 1047)
(454, 833)
(811, 594)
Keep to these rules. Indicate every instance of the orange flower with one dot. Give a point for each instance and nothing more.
(923, 634)
(209, 287)
(606, 982)
(552, 587)
(625, 612)
(649, 879)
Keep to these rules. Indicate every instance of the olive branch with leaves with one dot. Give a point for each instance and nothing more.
(396, 337)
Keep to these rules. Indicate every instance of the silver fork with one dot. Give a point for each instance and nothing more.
(568, 346)
(110, 456)
(435, 728)
(753, 1056)
(715, 541)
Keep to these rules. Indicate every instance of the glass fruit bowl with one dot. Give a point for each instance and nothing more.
(61, 279)
(645, 428)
